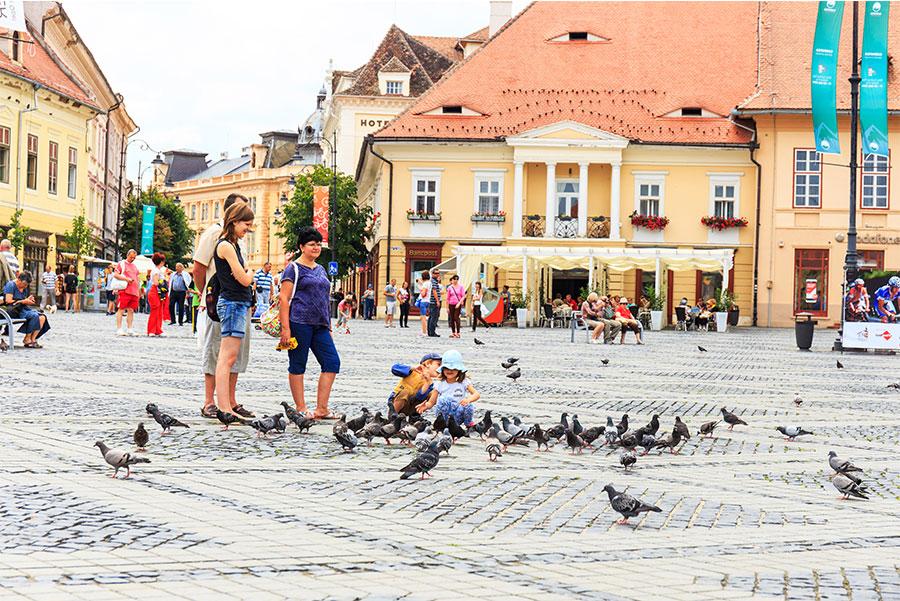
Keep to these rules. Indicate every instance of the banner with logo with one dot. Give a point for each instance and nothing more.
(873, 85)
(149, 217)
(871, 335)
(12, 15)
(823, 83)
(320, 211)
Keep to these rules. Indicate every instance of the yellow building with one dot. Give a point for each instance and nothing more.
(527, 161)
(44, 115)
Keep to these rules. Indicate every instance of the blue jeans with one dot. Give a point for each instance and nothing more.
(233, 316)
(463, 414)
(318, 340)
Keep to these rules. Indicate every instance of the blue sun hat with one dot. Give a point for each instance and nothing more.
(452, 360)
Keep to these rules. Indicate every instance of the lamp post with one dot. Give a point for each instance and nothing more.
(156, 161)
(277, 215)
(332, 203)
(153, 163)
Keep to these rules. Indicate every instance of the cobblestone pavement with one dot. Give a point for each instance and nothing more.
(745, 514)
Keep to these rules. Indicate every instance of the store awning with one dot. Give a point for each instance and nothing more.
(448, 265)
(87, 260)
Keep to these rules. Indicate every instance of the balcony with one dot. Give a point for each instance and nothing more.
(535, 226)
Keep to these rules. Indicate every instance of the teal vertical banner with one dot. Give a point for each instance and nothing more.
(823, 89)
(873, 86)
(149, 216)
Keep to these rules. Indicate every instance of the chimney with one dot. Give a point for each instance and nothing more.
(223, 155)
(501, 12)
(258, 155)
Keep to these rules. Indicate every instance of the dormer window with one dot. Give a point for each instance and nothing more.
(453, 109)
(393, 78)
(393, 87)
(16, 48)
(693, 111)
(578, 36)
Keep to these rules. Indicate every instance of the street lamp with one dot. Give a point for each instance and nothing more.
(277, 216)
(156, 161)
(332, 198)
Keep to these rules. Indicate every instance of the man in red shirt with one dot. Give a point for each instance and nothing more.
(129, 297)
(624, 316)
(571, 302)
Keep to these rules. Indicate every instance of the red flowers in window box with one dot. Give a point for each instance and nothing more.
(723, 223)
(649, 222)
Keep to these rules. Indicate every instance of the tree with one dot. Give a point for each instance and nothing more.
(18, 233)
(79, 240)
(352, 226)
(172, 235)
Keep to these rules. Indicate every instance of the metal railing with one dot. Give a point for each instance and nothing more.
(533, 226)
(565, 227)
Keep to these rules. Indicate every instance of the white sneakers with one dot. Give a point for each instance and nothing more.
(120, 332)
(131, 332)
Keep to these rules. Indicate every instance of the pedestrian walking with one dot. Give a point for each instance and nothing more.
(128, 297)
(71, 283)
(390, 303)
(154, 298)
(422, 301)
(477, 300)
(305, 313)
(456, 299)
(403, 302)
(263, 282)
(179, 282)
(434, 302)
(48, 290)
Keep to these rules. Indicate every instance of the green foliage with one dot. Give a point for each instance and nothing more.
(874, 274)
(172, 235)
(352, 223)
(79, 240)
(519, 300)
(656, 300)
(17, 232)
(724, 300)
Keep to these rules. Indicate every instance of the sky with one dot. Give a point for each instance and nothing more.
(213, 75)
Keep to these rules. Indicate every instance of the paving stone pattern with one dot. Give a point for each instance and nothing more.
(745, 514)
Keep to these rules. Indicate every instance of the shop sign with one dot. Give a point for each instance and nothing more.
(812, 291)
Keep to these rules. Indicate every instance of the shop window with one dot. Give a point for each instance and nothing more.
(811, 281)
(871, 260)
(875, 187)
(807, 178)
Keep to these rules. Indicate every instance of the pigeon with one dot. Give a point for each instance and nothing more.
(701, 349)
(576, 426)
(263, 425)
(477, 342)
(119, 459)
(540, 437)
(627, 458)
(456, 431)
(493, 451)
(503, 436)
(841, 466)
(280, 423)
(407, 434)
(849, 487)
(439, 423)
(512, 360)
(298, 419)
(647, 442)
(422, 464)
(444, 442)
(164, 420)
(358, 422)
(346, 438)
(628, 441)
(611, 432)
(798, 400)
(604, 361)
(792, 432)
(652, 427)
(894, 385)
(390, 430)
(731, 419)
(670, 442)
(514, 374)
(506, 364)
(592, 434)
(512, 428)
(573, 441)
(622, 426)
(340, 426)
(627, 505)
(227, 418)
(377, 419)
(141, 437)
(707, 428)
(682, 429)
(3, 346)
(558, 431)
(840, 365)
(517, 421)
(369, 431)
(423, 439)
(484, 426)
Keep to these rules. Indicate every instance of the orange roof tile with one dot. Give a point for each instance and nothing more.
(661, 56)
(37, 65)
(444, 45)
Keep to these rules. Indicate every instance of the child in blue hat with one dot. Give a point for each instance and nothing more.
(455, 392)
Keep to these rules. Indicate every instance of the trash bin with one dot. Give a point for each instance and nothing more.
(803, 330)
(334, 311)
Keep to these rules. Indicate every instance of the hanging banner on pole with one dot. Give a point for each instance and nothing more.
(873, 85)
(12, 15)
(320, 211)
(149, 217)
(823, 83)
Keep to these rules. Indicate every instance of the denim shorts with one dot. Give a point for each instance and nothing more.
(318, 340)
(233, 316)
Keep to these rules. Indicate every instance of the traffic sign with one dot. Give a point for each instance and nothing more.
(332, 268)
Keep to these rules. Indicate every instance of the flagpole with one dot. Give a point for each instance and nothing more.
(851, 261)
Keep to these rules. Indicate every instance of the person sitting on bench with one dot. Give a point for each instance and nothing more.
(19, 304)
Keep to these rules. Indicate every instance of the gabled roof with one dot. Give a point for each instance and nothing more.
(653, 62)
(394, 66)
(39, 65)
(184, 164)
(223, 167)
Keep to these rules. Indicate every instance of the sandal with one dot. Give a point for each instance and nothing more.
(209, 412)
(32, 345)
(330, 415)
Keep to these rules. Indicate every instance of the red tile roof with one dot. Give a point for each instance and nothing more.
(37, 65)
(786, 34)
(661, 56)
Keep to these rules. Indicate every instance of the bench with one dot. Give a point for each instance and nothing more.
(9, 322)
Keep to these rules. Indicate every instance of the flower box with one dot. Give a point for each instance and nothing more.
(412, 216)
(723, 223)
(649, 222)
(493, 217)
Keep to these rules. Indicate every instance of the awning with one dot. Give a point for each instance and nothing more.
(86, 260)
(448, 265)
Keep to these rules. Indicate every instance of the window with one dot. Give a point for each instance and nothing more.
(724, 192)
(875, 188)
(807, 178)
(73, 171)
(53, 170)
(4, 155)
(452, 110)
(871, 260)
(567, 198)
(193, 212)
(649, 197)
(205, 211)
(692, 111)
(707, 284)
(578, 35)
(16, 47)
(215, 210)
(31, 174)
(811, 281)
(394, 87)
(488, 192)
(426, 191)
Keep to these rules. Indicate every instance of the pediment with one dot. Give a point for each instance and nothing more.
(570, 130)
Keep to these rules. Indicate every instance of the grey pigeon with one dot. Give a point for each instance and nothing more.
(298, 419)
(280, 423)
(262, 425)
(573, 441)
(456, 431)
(477, 342)
(627, 459)
(506, 364)
(444, 441)
(512, 428)
(627, 505)
(848, 487)
(669, 442)
(227, 418)
(484, 426)
(622, 426)
(514, 374)
(390, 430)
(731, 419)
(707, 428)
(407, 434)
(119, 459)
(540, 437)
(798, 400)
(792, 432)
(611, 433)
(576, 425)
(369, 431)
(423, 439)
(422, 464)
(141, 437)
(604, 361)
(493, 451)
(647, 442)
(346, 438)
(512, 360)
(841, 466)
(592, 434)
(505, 437)
(701, 349)
(559, 430)
(167, 422)
(682, 429)
(358, 422)
(840, 365)
(894, 385)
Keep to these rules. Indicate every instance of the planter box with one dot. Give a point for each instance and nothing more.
(656, 320)
(489, 218)
(522, 318)
(731, 236)
(417, 217)
(734, 317)
(721, 321)
(642, 234)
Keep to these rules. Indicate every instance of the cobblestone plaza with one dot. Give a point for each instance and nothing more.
(745, 514)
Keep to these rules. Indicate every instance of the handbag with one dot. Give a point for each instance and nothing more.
(270, 322)
(115, 284)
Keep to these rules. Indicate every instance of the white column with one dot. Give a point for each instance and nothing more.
(518, 207)
(550, 215)
(615, 194)
(524, 275)
(656, 284)
(590, 273)
(582, 199)
(725, 269)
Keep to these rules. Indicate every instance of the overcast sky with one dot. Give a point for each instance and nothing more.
(212, 75)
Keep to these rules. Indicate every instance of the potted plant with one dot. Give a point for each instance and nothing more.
(499, 216)
(649, 222)
(520, 302)
(422, 216)
(723, 223)
(656, 308)
(724, 302)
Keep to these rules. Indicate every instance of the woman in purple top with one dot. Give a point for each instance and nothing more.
(305, 315)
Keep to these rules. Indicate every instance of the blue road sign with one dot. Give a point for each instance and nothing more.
(332, 268)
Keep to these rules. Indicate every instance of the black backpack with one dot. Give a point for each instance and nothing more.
(213, 288)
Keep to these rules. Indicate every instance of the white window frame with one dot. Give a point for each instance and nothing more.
(725, 179)
(393, 82)
(487, 175)
(426, 174)
(194, 212)
(806, 175)
(562, 181)
(886, 174)
(650, 178)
